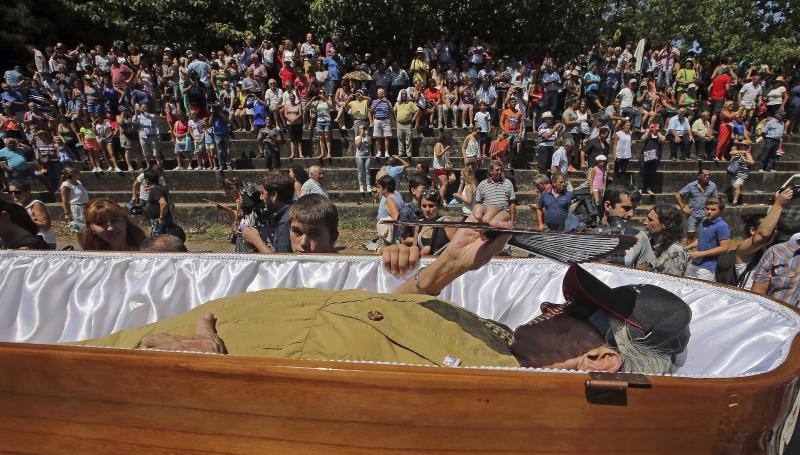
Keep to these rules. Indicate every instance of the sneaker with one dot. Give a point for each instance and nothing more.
(650, 192)
(96, 169)
(110, 169)
(369, 189)
(116, 169)
(360, 188)
(177, 168)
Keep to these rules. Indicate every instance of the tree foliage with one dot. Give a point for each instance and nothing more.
(765, 31)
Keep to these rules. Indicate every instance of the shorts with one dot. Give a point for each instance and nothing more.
(209, 141)
(739, 181)
(716, 106)
(295, 132)
(465, 106)
(323, 126)
(199, 147)
(149, 146)
(693, 222)
(183, 146)
(439, 172)
(125, 142)
(248, 112)
(94, 108)
(382, 128)
(78, 215)
(91, 144)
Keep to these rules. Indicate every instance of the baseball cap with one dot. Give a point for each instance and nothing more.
(419, 49)
(653, 315)
(601, 158)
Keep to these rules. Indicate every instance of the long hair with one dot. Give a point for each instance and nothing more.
(469, 176)
(638, 357)
(672, 220)
(19, 216)
(300, 174)
(101, 211)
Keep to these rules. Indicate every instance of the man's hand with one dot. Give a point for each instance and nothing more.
(251, 234)
(470, 249)
(686, 210)
(783, 197)
(399, 259)
(205, 340)
(694, 255)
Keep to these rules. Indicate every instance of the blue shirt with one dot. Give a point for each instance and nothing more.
(680, 127)
(592, 81)
(276, 230)
(555, 208)
(220, 126)
(203, 71)
(695, 197)
(15, 158)
(773, 129)
(395, 172)
(14, 100)
(711, 233)
(332, 66)
(259, 112)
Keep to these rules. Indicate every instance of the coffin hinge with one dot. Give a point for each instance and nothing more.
(612, 388)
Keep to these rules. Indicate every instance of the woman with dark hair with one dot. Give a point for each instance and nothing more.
(300, 176)
(17, 230)
(665, 226)
(21, 193)
(432, 240)
(108, 228)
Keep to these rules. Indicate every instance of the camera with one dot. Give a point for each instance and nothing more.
(795, 189)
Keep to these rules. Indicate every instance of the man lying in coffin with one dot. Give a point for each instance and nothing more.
(630, 328)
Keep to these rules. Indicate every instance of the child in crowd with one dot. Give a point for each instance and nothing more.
(183, 142)
(597, 178)
(713, 240)
(88, 136)
(198, 131)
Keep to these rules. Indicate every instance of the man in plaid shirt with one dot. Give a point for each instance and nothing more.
(778, 273)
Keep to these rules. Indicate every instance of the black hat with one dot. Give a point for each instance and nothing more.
(654, 316)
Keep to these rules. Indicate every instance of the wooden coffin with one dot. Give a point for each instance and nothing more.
(62, 399)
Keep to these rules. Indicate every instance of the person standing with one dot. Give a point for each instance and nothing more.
(73, 198)
(621, 149)
(269, 142)
(650, 158)
(553, 205)
(713, 240)
(406, 113)
(380, 115)
(145, 121)
(773, 141)
(363, 159)
(692, 199)
(548, 133)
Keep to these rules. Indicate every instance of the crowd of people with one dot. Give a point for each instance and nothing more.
(593, 112)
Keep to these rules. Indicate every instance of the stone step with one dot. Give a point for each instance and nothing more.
(195, 216)
(523, 161)
(337, 179)
(355, 197)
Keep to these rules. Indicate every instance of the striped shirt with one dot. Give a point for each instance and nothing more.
(382, 108)
(780, 268)
(499, 194)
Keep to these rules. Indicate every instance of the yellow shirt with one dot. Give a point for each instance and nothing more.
(358, 109)
(405, 112)
(419, 64)
(341, 325)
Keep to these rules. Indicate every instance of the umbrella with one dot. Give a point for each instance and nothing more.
(358, 76)
(639, 54)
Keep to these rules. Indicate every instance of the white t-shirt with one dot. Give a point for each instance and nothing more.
(775, 96)
(198, 129)
(143, 192)
(625, 98)
(440, 161)
(77, 192)
(749, 94)
(47, 235)
(560, 160)
(623, 145)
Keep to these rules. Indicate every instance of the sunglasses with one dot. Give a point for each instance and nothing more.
(15, 192)
(627, 208)
(430, 194)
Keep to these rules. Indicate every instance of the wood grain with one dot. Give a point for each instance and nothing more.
(59, 399)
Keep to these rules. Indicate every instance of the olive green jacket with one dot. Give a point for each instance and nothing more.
(341, 325)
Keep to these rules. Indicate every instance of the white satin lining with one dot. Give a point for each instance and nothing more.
(50, 297)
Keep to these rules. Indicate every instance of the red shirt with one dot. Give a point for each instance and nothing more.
(510, 121)
(718, 86)
(287, 75)
(119, 75)
(432, 95)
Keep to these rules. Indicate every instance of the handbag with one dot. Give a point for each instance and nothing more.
(650, 155)
(733, 167)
